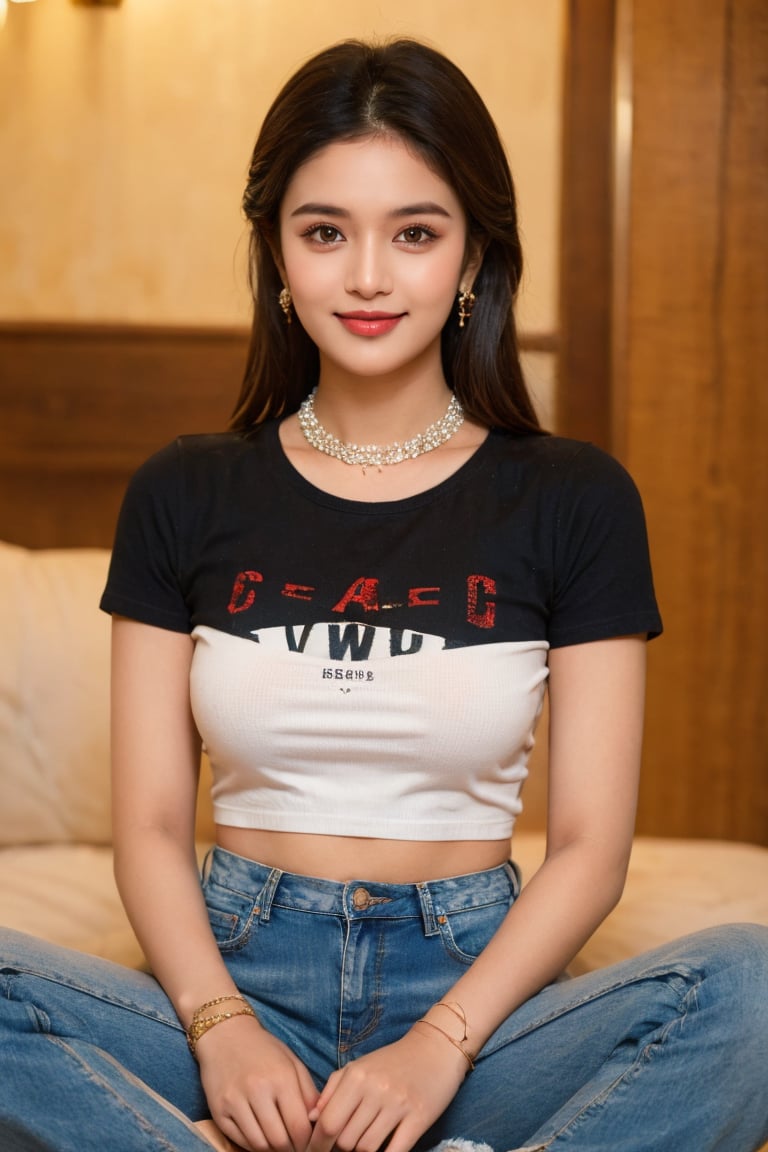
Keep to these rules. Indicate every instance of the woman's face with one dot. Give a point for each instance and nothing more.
(373, 246)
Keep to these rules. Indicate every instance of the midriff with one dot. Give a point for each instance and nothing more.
(360, 858)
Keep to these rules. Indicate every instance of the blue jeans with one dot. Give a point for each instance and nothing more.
(665, 1052)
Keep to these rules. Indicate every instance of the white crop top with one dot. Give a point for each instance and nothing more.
(431, 746)
(377, 669)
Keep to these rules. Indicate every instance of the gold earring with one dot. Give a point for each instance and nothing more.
(285, 300)
(466, 304)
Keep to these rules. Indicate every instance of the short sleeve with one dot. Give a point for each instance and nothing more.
(145, 579)
(603, 584)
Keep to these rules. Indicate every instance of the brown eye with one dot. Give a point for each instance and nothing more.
(416, 235)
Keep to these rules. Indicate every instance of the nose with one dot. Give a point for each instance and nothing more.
(368, 272)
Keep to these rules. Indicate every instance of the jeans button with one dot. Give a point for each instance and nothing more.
(361, 899)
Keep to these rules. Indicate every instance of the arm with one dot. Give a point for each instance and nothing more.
(596, 715)
(254, 1085)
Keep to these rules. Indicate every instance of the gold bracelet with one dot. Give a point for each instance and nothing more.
(458, 1012)
(201, 1024)
(219, 1000)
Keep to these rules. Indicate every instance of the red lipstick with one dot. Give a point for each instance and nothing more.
(370, 323)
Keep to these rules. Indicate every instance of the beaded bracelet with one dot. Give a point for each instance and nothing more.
(201, 1024)
(458, 1012)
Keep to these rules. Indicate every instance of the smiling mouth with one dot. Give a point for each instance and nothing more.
(369, 323)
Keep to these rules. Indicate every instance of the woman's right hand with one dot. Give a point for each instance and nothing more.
(258, 1091)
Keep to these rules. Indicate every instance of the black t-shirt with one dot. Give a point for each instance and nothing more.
(534, 537)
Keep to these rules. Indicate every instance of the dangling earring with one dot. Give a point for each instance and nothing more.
(466, 304)
(285, 301)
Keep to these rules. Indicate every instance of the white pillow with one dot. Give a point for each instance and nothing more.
(54, 696)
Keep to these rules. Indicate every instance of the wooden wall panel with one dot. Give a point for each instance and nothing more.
(686, 234)
(584, 392)
(695, 404)
(80, 408)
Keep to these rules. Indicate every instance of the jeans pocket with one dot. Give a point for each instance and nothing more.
(230, 914)
(466, 932)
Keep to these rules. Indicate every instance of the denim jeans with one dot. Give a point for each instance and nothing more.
(667, 1052)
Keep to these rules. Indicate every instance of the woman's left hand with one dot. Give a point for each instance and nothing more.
(396, 1092)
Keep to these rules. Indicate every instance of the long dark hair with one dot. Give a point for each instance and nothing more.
(405, 89)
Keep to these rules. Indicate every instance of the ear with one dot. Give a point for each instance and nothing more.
(473, 261)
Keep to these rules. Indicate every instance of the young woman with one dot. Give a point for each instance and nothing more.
(356, 598)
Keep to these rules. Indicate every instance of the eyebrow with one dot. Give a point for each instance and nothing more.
(423, 208)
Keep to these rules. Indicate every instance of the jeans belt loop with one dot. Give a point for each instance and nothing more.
(268, 894)
(431, 927)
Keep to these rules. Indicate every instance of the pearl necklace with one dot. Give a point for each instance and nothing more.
(368, 455)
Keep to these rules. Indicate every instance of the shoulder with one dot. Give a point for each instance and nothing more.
(194, 456)
(562, 467)
(201, 450)
(584, 506)
(546, 451)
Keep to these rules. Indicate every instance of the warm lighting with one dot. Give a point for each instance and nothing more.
(4, 8)
(79, 3)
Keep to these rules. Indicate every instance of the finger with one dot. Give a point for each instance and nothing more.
(255, 1142)
(296, 1121)
(320, 1141)
(294, 1107)
(359, 1123)
(272, 1129)
(328, 1125)
(402, 1139)
(328, 1090)
(342, 1120)
(263, 1133)
(307, 1086)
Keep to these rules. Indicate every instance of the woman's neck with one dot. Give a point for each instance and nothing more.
(375, 411)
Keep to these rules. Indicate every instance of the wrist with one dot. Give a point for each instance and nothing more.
(215, 1012)
(189, 1002)
(447, 1019)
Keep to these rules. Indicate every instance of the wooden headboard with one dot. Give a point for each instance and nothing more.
(82, 405)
